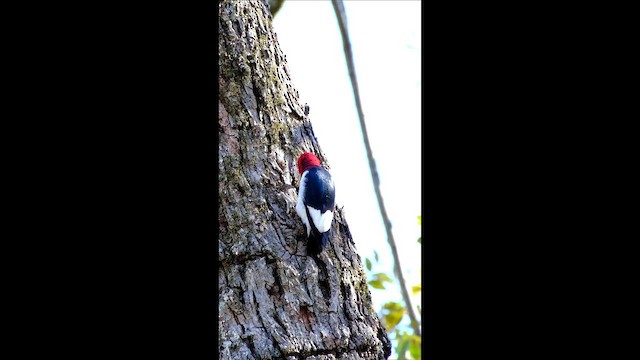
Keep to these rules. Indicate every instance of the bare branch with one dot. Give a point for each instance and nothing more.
(338, 6)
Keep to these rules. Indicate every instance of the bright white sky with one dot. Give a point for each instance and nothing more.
(385, 39)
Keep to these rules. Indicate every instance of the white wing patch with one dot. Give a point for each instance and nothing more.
(303, 214)
(321, 221)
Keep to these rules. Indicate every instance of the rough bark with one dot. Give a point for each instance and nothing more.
(275, 302)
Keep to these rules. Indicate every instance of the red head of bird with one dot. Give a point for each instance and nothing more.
(306, 161)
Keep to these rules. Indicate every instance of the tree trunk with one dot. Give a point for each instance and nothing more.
(275, 302)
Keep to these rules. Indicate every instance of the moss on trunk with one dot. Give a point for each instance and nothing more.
(276, 302)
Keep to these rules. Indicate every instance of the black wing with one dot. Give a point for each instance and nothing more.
(323, 196)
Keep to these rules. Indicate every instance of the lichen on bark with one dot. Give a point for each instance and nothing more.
(275, 302)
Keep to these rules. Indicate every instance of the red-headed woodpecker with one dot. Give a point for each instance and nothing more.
(316, 200)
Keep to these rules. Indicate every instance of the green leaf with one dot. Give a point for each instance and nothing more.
(420, 240)
(414, 346)
(392, 319)
(416, 289)
(368, 263)
(379, 279)
(384, 277)
(420, 220)
(375, 255)
(392, 306)
(403, 344)
(392, 313)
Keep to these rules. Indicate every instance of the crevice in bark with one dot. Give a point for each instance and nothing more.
(241, 190)
(360, 303)
(277, 319)
(242, 259)
(241, 299)
(345, 299)
(256, 92)
(323, 279)
(306, 316)
(252, 348)
(276, 288)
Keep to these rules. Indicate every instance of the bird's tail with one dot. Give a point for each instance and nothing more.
(317, 241)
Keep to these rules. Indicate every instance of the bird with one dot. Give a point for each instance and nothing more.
(316, 201)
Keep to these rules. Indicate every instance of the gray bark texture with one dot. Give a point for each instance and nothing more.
(275, 302)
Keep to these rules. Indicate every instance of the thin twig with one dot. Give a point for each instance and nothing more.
(342, 22)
